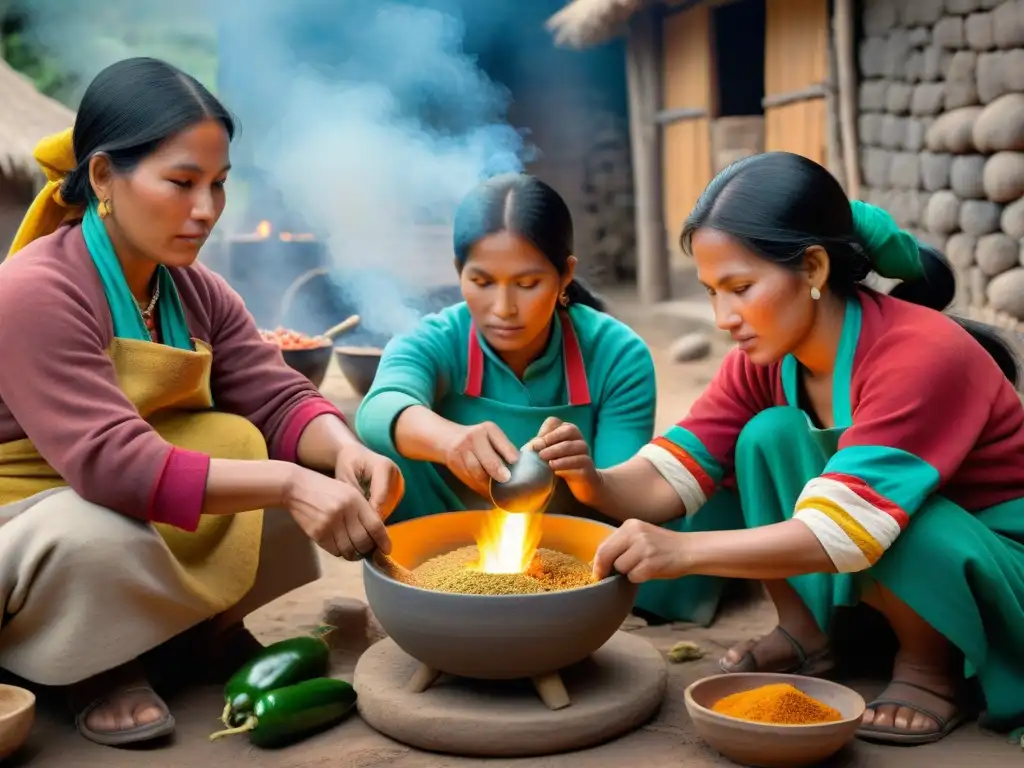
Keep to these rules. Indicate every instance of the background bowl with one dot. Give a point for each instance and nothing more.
(496, 637)
(359, 364)
(17, 715)
(311, 363)
(773, 746)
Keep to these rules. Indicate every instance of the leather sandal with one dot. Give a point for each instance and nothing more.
(119, 738)
(810, 665)
(892, 734)
(107, 687)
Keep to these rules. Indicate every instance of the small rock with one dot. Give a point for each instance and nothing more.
(692, 346)
(942, 214)
(1008, 24)
(967, 177)
(1001, 125)
(356, 626)
(997, 253)
(1006, 293)
(1012, 219)
(960, 250)
(928, 98)
(978, 31)
(935, 170)
(953, 131)
(979, 217)
(1004, 177)
(872, 96)
(990, 82)
(949, 33)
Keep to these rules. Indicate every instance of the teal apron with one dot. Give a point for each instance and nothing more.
(432, 488)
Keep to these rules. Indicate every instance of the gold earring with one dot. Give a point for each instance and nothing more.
(563, 299)
(104, 208)
(815, 293)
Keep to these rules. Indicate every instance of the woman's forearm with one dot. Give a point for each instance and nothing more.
(422, 435)
(238, 486)
(635, 489)
(323, 440)
(778, 551)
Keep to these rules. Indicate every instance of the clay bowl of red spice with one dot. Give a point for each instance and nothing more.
(770, 745)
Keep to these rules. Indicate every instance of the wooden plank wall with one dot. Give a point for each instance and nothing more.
(796, 58)
(687, 83)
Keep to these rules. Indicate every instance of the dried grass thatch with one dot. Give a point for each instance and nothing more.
(26, 116)
(583, 23)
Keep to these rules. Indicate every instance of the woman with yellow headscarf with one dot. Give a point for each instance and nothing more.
(145, 426)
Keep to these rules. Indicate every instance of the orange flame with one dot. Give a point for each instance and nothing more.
(508, 541)
(263, 229)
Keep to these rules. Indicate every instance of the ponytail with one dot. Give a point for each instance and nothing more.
(579, 293)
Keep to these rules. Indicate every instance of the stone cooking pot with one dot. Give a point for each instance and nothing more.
(496, 637)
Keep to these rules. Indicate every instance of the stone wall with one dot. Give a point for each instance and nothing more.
(942, 138)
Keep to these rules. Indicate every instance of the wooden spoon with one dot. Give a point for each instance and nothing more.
(343, 327)
(394, 569)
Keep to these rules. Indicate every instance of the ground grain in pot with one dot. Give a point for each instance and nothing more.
(550, 571)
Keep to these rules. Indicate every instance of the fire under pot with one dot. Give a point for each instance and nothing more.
(510, 675)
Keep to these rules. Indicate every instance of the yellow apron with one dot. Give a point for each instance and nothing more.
(171, 390)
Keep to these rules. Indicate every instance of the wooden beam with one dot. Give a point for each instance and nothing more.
(816, 91)
(679, 114)
(846, 69)
(643, 68)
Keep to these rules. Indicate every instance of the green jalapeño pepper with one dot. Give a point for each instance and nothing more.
(288, 714)
(283, 663)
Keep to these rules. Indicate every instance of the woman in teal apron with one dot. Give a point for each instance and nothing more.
(454, 400)
(874, 446)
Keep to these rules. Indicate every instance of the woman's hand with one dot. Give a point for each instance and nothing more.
(479, 453)
(335, 514)
(376, 476)
(641, 552)
(562, 446)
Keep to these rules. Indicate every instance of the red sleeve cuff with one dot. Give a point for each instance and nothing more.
(286, 447)
(181, 490)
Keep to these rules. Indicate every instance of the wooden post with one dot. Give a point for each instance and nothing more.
(846, 66)
(643, 49)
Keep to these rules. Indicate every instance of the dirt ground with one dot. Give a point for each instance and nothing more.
(667, 741)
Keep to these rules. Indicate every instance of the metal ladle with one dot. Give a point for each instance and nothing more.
(528, 489)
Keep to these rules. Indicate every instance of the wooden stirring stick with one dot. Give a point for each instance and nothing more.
(395, 570)
(345, 325)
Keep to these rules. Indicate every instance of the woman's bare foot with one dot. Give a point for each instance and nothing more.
(119, 707)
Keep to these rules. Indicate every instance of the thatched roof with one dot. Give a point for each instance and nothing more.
(25, 118)
(583, 23)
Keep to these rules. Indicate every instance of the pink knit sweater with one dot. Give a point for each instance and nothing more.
(58, 388)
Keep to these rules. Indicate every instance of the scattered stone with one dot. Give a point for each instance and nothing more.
(990, 83)
(873, 95)
(960, 249)
(953, 131)
(1006, 293)
(897, 51)
(1012, 219)
(949, 33)
(1013, 70)
(898, 97)
(1008, 24)
(967, 177)
(869, 129)
(872, 56)
(692, 346)
(978, 31)
(928, 98)
(935, 170)
(1004, 177)
(905, 171)
(919, 37)
(943, 212)
(979, 217)
(893, 131)
(961, 67)
(1000, 126)
(997, 253)
(913, 134)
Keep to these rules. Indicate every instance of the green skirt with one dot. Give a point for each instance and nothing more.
(962, 572)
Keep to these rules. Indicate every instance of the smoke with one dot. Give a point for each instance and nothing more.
(367, 119)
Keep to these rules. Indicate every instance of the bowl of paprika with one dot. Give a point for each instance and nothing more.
(768, 720)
